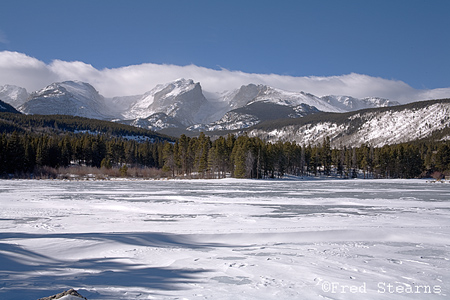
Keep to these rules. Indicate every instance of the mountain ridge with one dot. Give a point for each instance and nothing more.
(181, 106)
(182, 99)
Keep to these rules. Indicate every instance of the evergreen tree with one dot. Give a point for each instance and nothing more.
(169, 159)
(326, 156)
(14, 154)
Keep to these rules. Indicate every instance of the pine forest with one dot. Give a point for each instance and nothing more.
(24, 154)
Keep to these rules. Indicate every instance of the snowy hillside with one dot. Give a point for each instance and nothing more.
(376, 127)
(14, 95)
(68, 98)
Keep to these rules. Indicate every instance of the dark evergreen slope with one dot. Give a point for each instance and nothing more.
(10, 122)
(5, 107)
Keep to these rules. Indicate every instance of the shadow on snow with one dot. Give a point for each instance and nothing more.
(25, 274)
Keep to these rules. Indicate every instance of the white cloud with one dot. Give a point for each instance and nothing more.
(22, 70)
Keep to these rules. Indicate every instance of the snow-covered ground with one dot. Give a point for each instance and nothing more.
(225, 239)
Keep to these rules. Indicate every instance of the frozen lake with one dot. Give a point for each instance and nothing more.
(225, 239)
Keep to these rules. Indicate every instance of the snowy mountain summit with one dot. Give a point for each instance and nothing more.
(182, 100)
(252, 93)
(74, 98)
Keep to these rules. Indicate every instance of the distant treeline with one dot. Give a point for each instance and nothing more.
(62, 124)
(21, 152)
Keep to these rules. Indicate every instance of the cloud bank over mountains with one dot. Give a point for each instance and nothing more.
(28, 72)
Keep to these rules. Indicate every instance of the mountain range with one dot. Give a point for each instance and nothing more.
(182, 106)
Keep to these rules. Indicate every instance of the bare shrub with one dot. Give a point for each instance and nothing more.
(45, 172)
(437, 175)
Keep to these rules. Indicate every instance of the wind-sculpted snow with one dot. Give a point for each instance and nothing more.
(225, 239)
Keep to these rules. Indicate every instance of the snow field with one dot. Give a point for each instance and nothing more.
(225, 239)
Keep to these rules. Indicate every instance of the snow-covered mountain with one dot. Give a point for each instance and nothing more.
(181, 105)
(14, 95)
(68, 98)
(182, 100)
(376, 127)
(252, 104)
(252, 93)
(255, 113)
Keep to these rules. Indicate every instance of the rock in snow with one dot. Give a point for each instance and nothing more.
(66, 295)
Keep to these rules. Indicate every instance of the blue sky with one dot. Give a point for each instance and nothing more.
(403, 40)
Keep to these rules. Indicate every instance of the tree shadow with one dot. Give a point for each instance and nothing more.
(25, 274)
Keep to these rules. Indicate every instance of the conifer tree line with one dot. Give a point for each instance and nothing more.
(239, 157)
(251, 157)
(22, 153)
